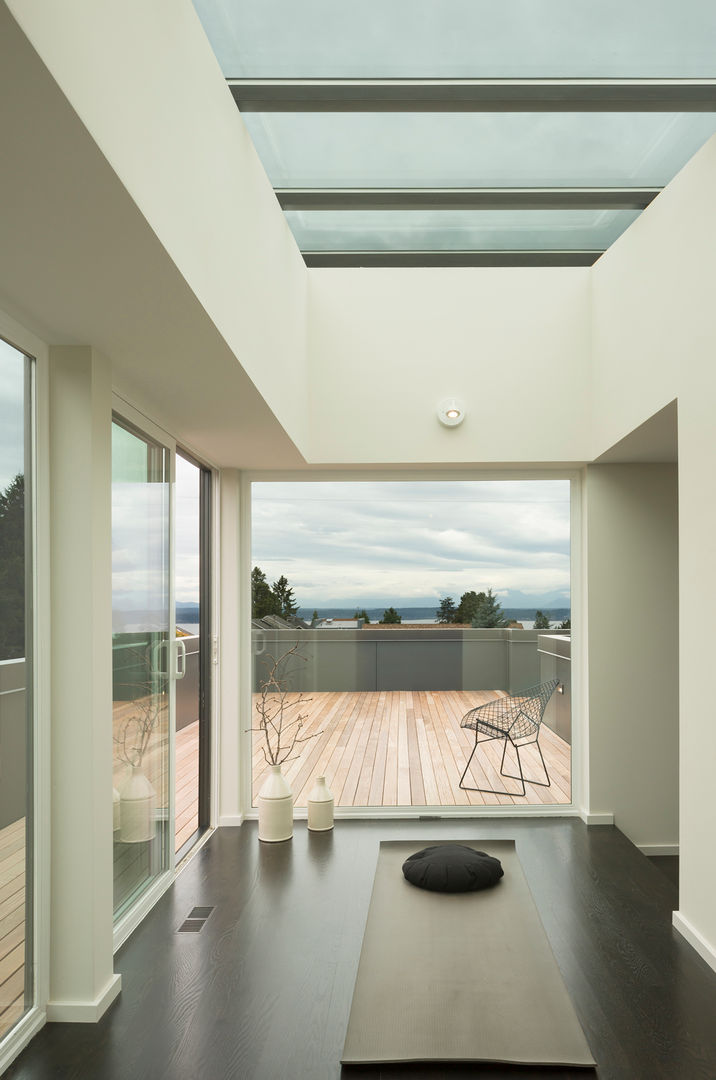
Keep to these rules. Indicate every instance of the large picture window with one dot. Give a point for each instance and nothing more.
(395, 609)
(16, 705)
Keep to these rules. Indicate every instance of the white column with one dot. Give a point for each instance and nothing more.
(82, 980)
(231, 662)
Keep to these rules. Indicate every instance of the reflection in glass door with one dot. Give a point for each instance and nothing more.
(16, 710)
(142, 655)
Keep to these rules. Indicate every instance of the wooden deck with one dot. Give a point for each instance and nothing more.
(12, 924)
(186, 809)
(406, 748)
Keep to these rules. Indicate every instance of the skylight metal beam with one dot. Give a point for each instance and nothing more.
(449, 258)
(465, 198)
(474, 95)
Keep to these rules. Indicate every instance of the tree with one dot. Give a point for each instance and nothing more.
(263, 600)
(362, 614)
(12, 570)
(390, 615)
(467, 608)
(283, 593)
(480, 609)
(566, 625)
(541, 620)
(446, 611)
(489, 611)
(314, 617)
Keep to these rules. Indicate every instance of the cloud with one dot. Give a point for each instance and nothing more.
(354, 542)
(12, 414)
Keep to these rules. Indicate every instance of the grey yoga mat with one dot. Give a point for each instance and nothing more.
(459, 976)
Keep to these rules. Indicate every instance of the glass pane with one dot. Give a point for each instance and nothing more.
(16, 752)
(462, 38)
(476, 149)
(187, 545)
(417, 601)
(140, 661)
(445, 230)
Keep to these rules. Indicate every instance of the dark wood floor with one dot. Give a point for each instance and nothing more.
(264, 990)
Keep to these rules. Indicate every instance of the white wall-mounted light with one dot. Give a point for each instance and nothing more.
(451, 412)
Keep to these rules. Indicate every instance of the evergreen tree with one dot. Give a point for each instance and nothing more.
(12, 570)
(566, 625)
(362, 614)
(467, 608)
(488, 612)
(314, 617)
(446, 611)
(283, 594)
(390, 615)
(263, 600)
(541, 620)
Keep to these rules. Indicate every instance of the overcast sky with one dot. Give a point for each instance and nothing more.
(12, 383)
(372, 544)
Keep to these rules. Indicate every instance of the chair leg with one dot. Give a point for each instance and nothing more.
(493, 791)
(539, 783)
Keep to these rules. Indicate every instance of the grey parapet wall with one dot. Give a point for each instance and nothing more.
(555, 662)
(402, 658)
(14, 727)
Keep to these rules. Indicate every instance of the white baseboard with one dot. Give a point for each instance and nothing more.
(230, 820)
(704, 948)
(658, 849)
(18, 1038)
(604, 817)
(84, 1012)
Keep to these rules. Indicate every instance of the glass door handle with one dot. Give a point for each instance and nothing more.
(180, 662)
(157, 668)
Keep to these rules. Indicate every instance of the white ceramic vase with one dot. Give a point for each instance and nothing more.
(320, 807)
(137, 804)
(116, 814)
(275, 803)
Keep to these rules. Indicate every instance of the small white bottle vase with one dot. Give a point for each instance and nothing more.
(275, 803)
(138, 801)
(320, 807)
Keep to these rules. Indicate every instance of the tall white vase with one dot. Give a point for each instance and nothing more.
(320, 807)
(275, 803)
(137, 804)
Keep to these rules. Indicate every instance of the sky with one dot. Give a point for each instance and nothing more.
(12, 415)
(412, 543)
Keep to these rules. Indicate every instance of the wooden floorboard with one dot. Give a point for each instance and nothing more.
(407, 748)
(12, 924)
(264, 991)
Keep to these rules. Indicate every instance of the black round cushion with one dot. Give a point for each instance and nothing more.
(452, 868)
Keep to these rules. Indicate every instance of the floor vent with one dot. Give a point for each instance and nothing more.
(195, 920)
(430, 817)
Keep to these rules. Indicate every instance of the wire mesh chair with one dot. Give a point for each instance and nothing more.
(517, 720)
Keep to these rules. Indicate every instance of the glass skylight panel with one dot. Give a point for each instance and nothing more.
(476, 39)
(476, 149)
(458, 230)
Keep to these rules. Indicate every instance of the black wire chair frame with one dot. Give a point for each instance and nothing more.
(517, 720)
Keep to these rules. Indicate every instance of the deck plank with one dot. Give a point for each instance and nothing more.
(407, 748)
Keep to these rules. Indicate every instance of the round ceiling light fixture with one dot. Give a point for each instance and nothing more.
(451, 412)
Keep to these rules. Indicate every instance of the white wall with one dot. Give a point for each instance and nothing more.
(386, 345)
(82, 982)
(655, 340)
(633, 634)
(155, 207)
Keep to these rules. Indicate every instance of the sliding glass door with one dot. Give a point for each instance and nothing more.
(16, 705)
(193, 617)
(143, 661)
(161, 510)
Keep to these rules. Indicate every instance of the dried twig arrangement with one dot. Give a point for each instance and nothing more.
(136, 731)
(280, 727)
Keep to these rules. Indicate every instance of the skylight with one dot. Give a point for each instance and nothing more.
(463, 132)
